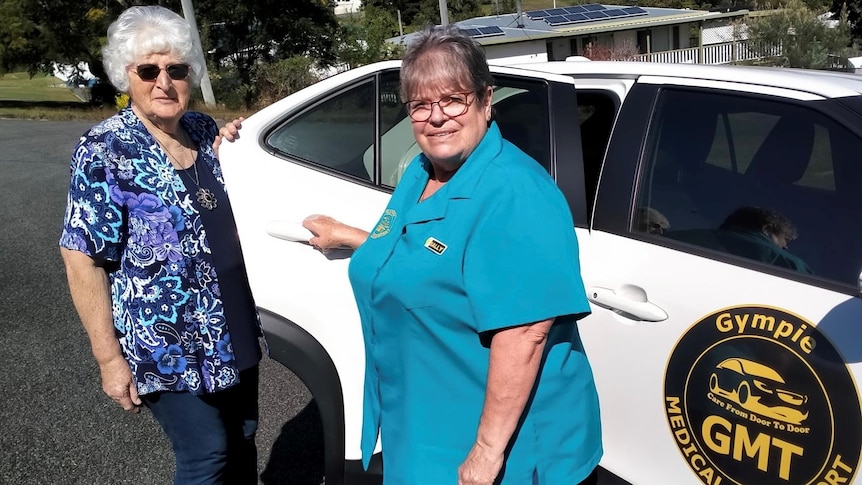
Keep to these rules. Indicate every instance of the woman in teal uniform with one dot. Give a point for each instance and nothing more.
(469, 290)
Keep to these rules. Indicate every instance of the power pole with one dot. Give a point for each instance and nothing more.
(206, 86)
(444, 13)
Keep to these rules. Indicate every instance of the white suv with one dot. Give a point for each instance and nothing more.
(718, 216)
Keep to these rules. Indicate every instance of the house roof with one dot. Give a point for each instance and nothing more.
(522, 28)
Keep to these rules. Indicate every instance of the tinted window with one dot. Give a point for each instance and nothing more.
(343, 132)
(334, 133)
(769, 180)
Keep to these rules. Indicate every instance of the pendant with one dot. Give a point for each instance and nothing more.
(206, 198)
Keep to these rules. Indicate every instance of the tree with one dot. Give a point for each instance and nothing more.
(242, 36)
(362, 38)
(36, 34)
(416, 13)
(853, 10)
(805, 40)
(409, 9)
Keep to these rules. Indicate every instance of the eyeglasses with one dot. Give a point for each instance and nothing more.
(453, 106)
(150, 72)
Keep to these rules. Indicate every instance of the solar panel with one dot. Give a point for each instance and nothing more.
(484, 31)
(615, 12)
(596, 15)
(585, 13)
(557, 20)
(537, 14)
(491, 30)
(576, 17)
(634, 11)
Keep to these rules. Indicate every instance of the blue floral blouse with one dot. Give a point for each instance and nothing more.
(130, 210)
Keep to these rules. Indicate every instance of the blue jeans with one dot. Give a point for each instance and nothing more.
(212, 435)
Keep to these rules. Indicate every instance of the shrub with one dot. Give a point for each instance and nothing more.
(285, 77)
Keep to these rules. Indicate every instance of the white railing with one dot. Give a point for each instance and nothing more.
(725, 53)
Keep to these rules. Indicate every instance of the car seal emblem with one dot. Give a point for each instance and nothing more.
(435, 246)
(385, 224)
(756, 394)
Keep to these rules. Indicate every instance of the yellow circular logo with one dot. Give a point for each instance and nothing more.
(757, 395)
(384, 225)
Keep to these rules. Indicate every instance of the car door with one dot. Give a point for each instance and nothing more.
(308, 154)
(723, 357)
(339, 148)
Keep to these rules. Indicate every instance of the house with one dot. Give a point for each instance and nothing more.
(613, 31)
(344, 7)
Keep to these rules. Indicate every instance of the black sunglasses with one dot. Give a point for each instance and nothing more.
(149, 72)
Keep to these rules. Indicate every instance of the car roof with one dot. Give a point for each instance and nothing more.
(828, 84)
(824, 83)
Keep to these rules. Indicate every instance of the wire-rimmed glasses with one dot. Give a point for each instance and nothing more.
(452, 105)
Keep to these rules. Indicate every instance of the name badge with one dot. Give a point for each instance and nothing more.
(435, 246)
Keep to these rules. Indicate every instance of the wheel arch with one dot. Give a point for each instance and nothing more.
(293, 347)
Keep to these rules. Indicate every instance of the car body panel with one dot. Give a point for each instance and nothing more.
(667, 314)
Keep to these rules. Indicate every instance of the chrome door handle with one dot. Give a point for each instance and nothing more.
(628, 300)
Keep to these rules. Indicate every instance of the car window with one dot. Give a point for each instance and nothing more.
(754, 177)
(341, 133)
(520, 110)
(332, 134)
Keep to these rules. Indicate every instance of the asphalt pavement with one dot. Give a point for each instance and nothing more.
(56, 425)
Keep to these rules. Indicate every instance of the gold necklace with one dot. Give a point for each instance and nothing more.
(206, 198)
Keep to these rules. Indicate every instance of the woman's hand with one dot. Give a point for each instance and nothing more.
(91, 294)
(119, 385)
(481, 466)
(331, 234)
(229, 132)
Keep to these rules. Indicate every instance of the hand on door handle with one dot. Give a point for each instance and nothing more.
(289, 231)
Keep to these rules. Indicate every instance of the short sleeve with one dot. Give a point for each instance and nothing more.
(93, 220)
(521, 264)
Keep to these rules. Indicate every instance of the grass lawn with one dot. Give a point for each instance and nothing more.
(46, 97)
(18, 86)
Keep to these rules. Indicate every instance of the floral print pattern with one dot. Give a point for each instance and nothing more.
(128, 207)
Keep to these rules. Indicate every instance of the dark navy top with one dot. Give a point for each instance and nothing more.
(239, 309)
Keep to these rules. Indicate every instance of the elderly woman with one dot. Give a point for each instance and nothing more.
(153, 260)
(469, 291)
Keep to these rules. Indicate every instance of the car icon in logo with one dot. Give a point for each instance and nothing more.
(759, 389)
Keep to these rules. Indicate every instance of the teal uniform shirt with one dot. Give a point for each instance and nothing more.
(493, 248)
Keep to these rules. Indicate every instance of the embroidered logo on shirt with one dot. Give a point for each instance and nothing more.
(385, 224)
(435, 246)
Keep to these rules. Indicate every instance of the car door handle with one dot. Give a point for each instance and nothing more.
(630, 301)
(295, 232)
(289, 231)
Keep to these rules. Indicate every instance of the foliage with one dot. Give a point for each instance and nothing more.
(36, 34)
(409, 9)
(853, 11)
(121, 101)
(231, 88)
(362, 38)
(283, 78)
(417, 13)
(806, 40)
(242, 37)
(626, 51)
